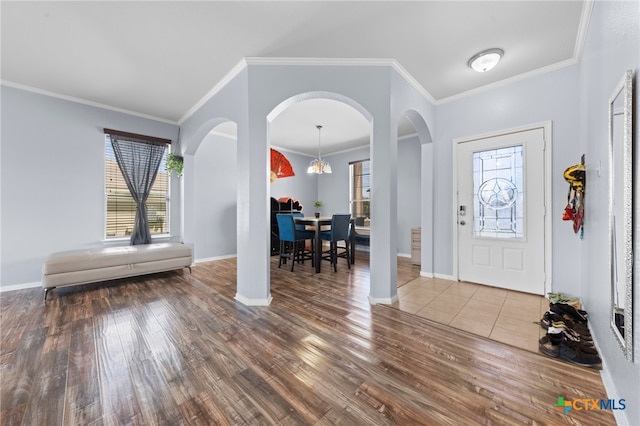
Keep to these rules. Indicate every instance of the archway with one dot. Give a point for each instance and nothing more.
(293, 130)
(413, 129)
(210, 165)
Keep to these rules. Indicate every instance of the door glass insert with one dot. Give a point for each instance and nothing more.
(498, 193)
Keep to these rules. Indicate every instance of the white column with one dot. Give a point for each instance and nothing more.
(384, 213)
(253, 214)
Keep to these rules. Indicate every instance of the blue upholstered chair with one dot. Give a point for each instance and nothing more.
(292, 241)
(302, 232)
(340, 224)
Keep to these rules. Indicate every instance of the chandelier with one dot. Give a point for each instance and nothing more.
(318, 165)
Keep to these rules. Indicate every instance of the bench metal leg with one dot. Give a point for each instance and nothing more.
(46, 292)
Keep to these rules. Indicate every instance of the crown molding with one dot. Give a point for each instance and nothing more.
(277, 61)
(233, 72)
(583, 28)
(510, 80)
(83, 101)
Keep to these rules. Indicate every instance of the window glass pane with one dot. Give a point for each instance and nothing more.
(498, 187)
(360, 192)
(120, 207)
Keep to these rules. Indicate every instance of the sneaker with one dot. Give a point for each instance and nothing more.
(549, 319)
(583, 347)
(577, 315)
(550, 346)
(562, 325)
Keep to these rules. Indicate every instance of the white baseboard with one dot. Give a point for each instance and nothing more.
(24, 286)
(253, 302)
(404, 255)
(427, 274)
(209, 259)
(444, 277)
(383, 300)
(609, 386)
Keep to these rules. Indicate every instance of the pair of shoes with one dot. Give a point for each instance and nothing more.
(577, 315)
(580, 329)
(582, 347)
(549, 319)
(556, 346)
(570, 334)
(560, 298)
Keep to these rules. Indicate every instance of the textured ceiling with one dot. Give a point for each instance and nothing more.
(159, 59)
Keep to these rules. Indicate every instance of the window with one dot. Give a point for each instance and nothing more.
(498, 196)
(120, 207)
(360, 192)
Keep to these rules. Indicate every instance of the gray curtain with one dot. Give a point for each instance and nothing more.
(139, 162)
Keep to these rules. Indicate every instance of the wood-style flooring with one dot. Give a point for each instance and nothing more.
(177, 349)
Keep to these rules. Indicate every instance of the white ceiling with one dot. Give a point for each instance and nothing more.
(160, 58)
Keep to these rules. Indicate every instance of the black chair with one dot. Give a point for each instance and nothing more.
(340, 224)
(301, 231)
(292, 241)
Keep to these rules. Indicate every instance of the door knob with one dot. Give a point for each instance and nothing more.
(462, 222)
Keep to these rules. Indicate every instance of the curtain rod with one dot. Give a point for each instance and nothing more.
(136, 136)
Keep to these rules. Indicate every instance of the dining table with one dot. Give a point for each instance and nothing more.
(319, 223)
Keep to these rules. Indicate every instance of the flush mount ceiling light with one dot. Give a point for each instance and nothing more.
(485, 60)
(318, 165)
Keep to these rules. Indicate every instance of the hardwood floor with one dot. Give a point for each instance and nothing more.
(175, 348)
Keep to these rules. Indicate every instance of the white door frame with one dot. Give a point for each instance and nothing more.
(546, 127)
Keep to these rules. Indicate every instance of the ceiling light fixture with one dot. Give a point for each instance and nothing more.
(486, 59)
(318, 165)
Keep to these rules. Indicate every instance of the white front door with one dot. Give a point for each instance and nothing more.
(501, 211)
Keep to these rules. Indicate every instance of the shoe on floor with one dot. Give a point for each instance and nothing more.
(558, 347)
(560, 298)
(549, 346)
(577, 315)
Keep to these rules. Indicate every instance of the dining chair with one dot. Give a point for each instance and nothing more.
(301, 231)
(339, 232)
(292, 241)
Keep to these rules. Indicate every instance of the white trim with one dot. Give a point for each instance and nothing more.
(233, 72)
(404, 255)
(546, 126)
(24, 286)
(345, 62)
(509, 81)
(253, 302)
(427, 274)
(210, 259)
(583, 29)
(84, 102)
(383, 300)
(409, 136)
(444, 277)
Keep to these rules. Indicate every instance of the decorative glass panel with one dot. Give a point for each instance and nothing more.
(498, 193)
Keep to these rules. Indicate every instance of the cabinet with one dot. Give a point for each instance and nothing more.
(416, 244)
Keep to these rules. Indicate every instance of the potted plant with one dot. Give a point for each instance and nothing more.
(175, 164)
(317, 204)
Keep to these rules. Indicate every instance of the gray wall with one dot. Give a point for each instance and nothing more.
(52, 178)
(335, 193)
(216, 197)
(549, 97)
(215, 191)
(612, 47)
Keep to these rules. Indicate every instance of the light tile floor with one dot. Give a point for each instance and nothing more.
(506, 316)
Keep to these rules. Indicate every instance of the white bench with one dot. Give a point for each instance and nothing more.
(90, 265)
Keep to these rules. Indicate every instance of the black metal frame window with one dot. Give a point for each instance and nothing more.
(360, 192)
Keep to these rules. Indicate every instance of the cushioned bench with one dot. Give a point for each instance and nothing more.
(90, 265)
